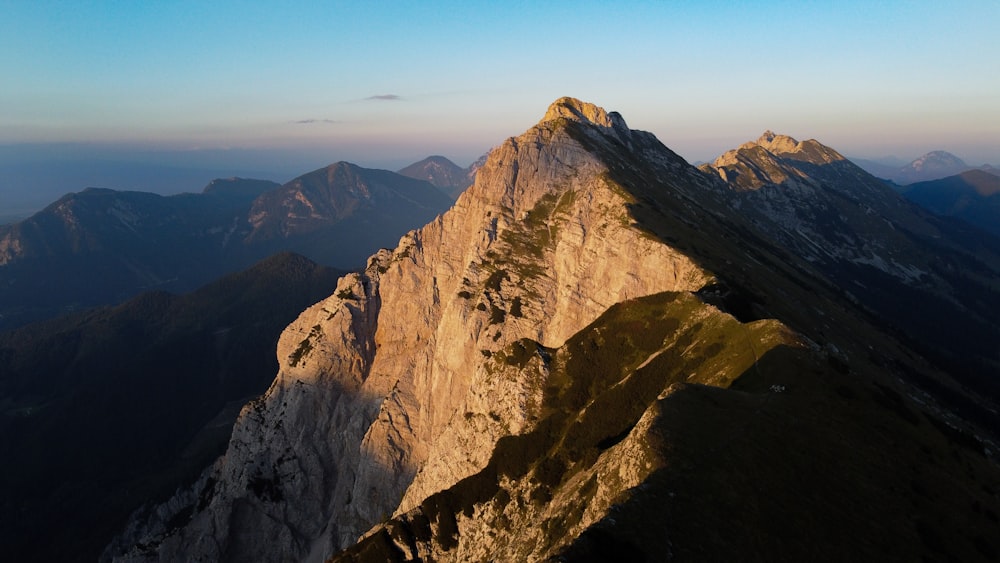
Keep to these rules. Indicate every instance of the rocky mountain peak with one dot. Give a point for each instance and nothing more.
(778, 144)
(403, 365)
(584, 112)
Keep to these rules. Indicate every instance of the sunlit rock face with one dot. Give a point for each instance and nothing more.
(368, 413)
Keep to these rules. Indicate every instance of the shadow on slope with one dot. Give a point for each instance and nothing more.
(799, 462)
(108, 408)
(798, 459)
(972, 196)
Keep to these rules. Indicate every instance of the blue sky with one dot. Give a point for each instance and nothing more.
(387, 83)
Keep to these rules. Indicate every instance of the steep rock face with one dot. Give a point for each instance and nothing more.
(538, 248)
(671, 432)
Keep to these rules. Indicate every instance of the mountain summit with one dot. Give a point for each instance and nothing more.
(442, 173)
(583, 112)
(770, 160)
(596, 338)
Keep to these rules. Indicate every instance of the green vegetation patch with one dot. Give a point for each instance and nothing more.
(305, 346)
(528, 241)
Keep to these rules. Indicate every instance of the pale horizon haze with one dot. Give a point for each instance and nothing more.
(281, 88)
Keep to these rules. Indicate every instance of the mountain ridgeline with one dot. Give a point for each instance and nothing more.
(931, 166)
(443, 173)
(972, 196)
(601, 352)
(102, 246)
(881, 251)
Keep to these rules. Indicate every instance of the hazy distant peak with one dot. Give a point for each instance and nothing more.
(435, 161)
(938, 159)
(441, 172)
(342, 164)
(583, 112)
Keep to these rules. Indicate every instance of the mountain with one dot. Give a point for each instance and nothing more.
(441, 172)
(935, 164)
(340, 214)
(603, 352)
(102, 246)
(108, 408)
(931, 166)
(973, 196)
(880, 250)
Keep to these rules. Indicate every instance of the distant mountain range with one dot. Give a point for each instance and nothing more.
(100, 246)
(931, 166)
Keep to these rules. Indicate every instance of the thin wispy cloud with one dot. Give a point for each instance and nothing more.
(385, 97)
(314, 121)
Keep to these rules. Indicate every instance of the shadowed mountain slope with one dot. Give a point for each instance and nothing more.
(102, 246)
(972, 196)
(108, 408)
